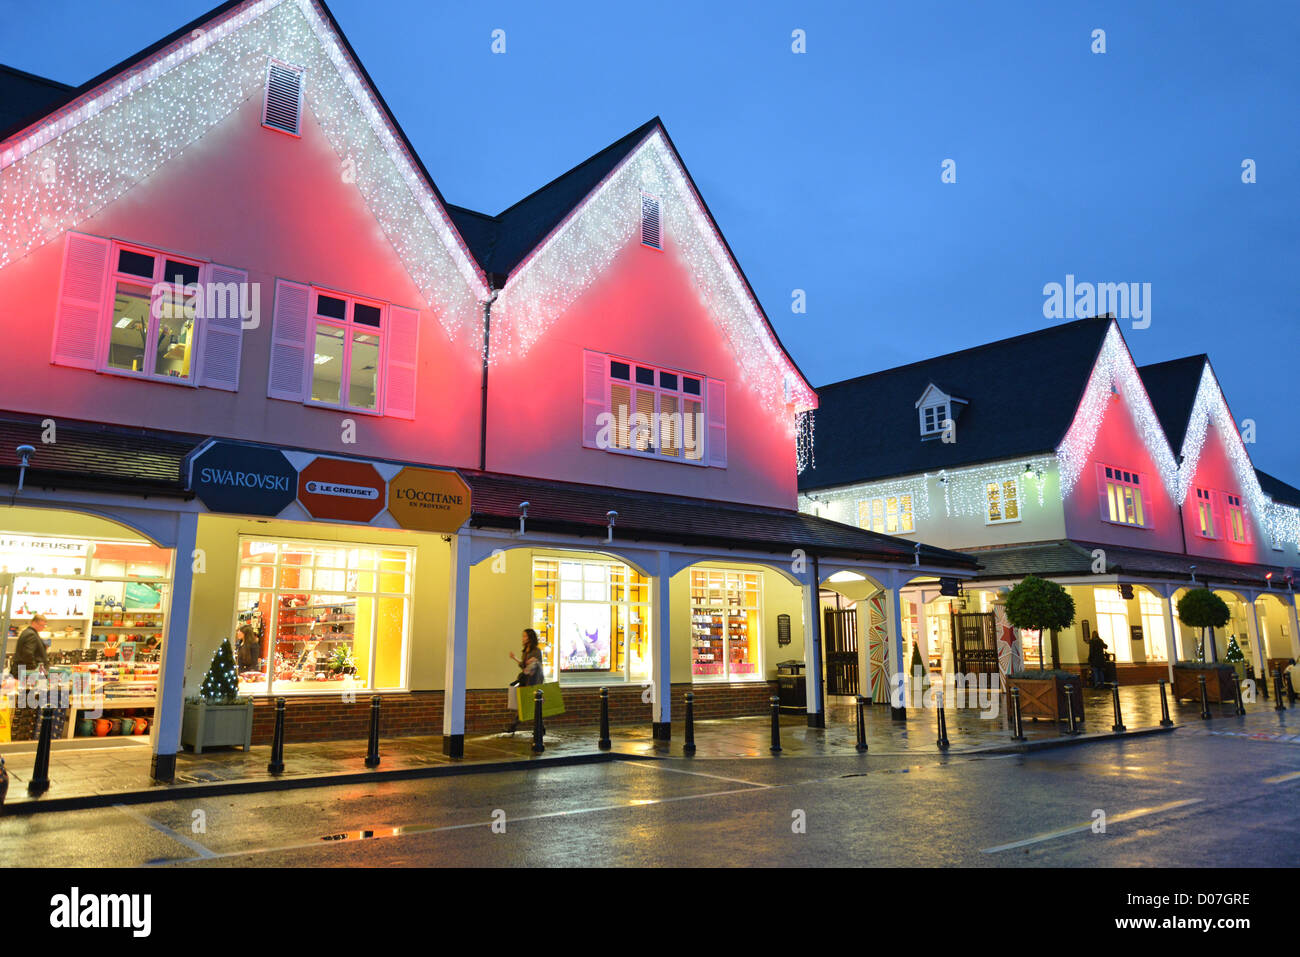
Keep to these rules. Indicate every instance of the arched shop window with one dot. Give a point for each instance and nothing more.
(326, 616)
(592, 619)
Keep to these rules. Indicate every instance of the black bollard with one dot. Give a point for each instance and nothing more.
(277, 741)
(40, 782)
(372, 751)
(1277, 687)
(862, 728)
(1017, 722)
(1236, 693)
(1114, 699)
(1205, 699)
(1165, 722)
(776, 724)
(1069, 709)
(604, 743)
(1290, 689)
(942, 741)
(539, 731)
(688, 747)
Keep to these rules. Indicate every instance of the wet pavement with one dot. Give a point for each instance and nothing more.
(105, 771)
(1203, 796)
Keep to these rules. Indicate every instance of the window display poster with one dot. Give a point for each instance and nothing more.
(141, 597)
(584, 637)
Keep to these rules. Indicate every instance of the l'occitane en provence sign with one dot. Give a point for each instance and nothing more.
(428, 500)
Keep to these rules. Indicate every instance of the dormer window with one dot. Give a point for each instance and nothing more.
(936, 409)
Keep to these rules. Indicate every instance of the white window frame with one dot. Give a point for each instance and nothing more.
(1205, 514)
(659, 391)
(886, 515)
(1001, 485)
(349, 326)
(103, 345)
(550, 658)
(1234, 519)
(942, 414)
(728, 576)
(1114, 480)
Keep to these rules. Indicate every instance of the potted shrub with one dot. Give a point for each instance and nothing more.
(1043, 606)
(1202, 608)
(1043, 695)
(218, 716)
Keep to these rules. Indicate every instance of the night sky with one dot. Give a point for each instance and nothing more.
(823, 168)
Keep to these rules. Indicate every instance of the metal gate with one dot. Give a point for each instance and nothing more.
(840, 636)
(974, 646)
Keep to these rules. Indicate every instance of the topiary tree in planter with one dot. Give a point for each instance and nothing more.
(218, 716)
(1039, 605)
(221, 683)
(1202, 608)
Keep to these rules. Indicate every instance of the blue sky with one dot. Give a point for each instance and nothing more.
(823, 168)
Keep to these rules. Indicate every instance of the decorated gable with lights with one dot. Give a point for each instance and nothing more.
(581, 248)
(59, 172)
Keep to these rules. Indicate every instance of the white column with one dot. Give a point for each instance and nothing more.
(1294, 626)
(894, 622)
(812, 649)
(453, 688)
(1257, 649)
(169, 708)
(1171, 631)
(661, 669)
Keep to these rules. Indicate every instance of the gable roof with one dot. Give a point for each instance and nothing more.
(25, 95)
(1172, 388)
(501, 242)
(1277, 490)
(867, 428)
(350, 111)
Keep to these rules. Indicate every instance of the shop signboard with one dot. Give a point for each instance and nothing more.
(428, 500)
(244, 479)
(341, 490)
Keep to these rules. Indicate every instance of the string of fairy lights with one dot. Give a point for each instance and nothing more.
(59, 173)
(582, 247)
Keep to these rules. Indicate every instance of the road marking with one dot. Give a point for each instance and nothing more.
(1113, 819)
(701, 774)
(1283, 778)
(406, 830)
(180, 838)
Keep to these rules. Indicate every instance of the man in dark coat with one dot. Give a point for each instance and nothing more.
(1097, 660)
(30, 650)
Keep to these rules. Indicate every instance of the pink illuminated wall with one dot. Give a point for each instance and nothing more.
(643, 307)
(277, 206)
(1120, 444)
(1214, 472)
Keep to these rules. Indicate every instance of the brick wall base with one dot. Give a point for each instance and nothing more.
(420, 712)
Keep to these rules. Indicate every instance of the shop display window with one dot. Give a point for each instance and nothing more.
(591, 617)
(323, 616)
(726, 624)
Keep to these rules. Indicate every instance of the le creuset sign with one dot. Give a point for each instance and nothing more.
(244, 479)
(342, 490)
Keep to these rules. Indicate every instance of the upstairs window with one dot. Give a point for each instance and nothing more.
(1003, 502)
(887, 514)
(655, 411)
(1205, 513)
(1237, 529)
(345, 363)
(152, 324)
(1122, 499)
(933, 418)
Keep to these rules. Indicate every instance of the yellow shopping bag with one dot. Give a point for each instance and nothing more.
(552, 700)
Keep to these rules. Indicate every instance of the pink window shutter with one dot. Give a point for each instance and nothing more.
(594, 380)
(289, 353)
(403, 354)
(716, 416)
(82, 288)
(221, 335)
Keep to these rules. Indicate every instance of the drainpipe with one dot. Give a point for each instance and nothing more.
(487, 338)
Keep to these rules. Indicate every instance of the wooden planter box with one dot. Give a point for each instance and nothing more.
(1218, 683)
(1045, 697)
(205, 725)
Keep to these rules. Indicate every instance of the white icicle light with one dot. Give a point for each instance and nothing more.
(58, 173)
(581, 248)
(1114, 370)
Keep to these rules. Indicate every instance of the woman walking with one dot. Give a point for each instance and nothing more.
(530, 668)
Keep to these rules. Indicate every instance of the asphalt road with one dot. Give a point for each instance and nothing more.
(1185, 799)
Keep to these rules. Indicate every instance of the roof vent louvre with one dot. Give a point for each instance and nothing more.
(651, 232)
(283, 108)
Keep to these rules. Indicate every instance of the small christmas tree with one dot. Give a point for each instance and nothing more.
(221, 683)
(1234, 653)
